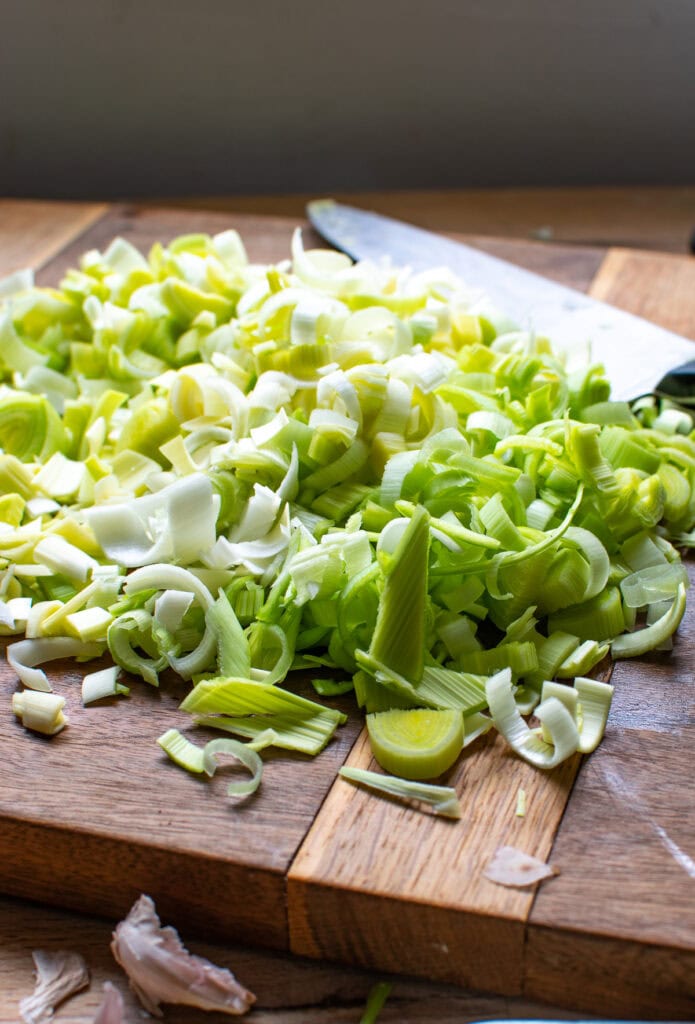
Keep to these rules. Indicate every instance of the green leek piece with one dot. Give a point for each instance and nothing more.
(633, 645)
(40, 712)
(233, 654)
(332, 687)
(242, 752)
(182, 752)
(441, 799)
(398, 639)
(582, 659)
(416, 744)
(30, 428)
(601, 618)
(247, 708)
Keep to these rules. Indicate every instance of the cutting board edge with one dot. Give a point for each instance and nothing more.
(368, 930)
(608, 976)
(53, 864)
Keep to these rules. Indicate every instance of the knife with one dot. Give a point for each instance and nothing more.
(639, 357)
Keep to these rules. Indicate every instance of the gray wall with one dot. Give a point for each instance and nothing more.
(107, 98)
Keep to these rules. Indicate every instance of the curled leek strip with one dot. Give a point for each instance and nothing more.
(552, 713)
(632, 645)
(25, 655)
(248, 757)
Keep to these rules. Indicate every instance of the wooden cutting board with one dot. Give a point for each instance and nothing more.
(97, 815)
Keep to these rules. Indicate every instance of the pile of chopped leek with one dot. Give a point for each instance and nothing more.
(237, 471)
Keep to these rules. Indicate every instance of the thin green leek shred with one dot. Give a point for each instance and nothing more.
(442, 799)
(318, 407)
(376, 999)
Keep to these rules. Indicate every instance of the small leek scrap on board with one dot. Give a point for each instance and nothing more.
(232, 471)
(40, 711)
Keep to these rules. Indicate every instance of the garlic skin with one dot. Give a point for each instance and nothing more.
(111, 1008)
(517, 869)
(58, 976)
(161, 970)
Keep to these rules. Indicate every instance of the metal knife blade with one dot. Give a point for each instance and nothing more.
(639, 357)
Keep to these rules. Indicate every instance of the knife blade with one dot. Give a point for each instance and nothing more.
(639, 357)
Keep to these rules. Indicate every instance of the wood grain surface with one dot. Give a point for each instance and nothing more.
(148, 826)
(639, 217)
(31, 231)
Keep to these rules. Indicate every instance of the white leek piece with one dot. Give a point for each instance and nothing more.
(176, 523)
(98, 685)
(40, 711)
(65, 558)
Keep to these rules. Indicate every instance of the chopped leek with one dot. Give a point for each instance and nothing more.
(233, 471)
(41, 712)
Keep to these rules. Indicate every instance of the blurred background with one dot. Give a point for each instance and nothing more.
(114, 98)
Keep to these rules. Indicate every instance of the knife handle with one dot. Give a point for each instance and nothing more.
(679, 383)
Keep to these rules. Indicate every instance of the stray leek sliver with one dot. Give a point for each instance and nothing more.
(551, 713)
(40, 711)
(182, 752)
(442, 799)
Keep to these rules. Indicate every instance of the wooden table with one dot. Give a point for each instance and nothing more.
(290, 989)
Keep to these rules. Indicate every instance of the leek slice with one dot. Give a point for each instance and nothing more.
(416, 744)
(551, 713)
(182, 752)
(441, 799)
(249, 708)
(41, 712)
